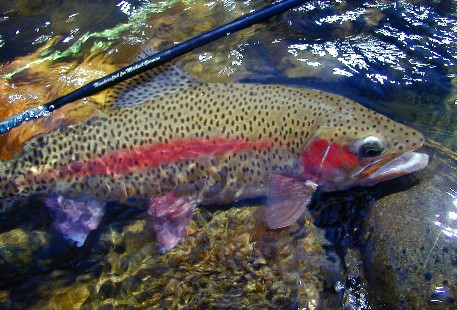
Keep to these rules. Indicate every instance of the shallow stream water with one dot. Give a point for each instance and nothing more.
(396, 57)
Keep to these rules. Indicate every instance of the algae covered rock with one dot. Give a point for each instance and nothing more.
(17, 248)
(411, 257)
(229, 260)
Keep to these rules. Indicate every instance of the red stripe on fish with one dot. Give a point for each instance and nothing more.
(124, 161)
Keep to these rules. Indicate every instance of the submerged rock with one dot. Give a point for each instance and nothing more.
(411, 257)
(17, 248)
(229, 260)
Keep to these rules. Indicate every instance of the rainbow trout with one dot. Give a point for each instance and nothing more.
(175, 143)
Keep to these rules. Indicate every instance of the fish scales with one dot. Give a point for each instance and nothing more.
(195, 143)
(240, 114)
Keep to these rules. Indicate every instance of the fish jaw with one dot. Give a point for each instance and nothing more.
(389, 169)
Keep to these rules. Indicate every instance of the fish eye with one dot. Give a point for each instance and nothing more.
(370, 147)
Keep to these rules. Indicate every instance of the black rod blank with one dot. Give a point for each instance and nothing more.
(149, 63)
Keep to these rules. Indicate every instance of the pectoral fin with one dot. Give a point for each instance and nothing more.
(76, 218)
(287, 200)
(171, 216)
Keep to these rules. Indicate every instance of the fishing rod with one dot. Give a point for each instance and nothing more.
(149, 63)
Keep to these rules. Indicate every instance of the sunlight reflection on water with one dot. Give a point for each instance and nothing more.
(448, 223)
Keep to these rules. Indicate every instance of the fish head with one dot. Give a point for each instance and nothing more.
(349, 152)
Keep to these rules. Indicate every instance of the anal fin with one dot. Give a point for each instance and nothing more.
(287, 200)
(171, 216)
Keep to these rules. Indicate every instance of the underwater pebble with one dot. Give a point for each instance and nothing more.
(212, 268)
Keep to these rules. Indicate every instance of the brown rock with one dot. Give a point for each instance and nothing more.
(411, 256)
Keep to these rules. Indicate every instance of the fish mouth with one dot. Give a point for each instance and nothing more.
(387, 169)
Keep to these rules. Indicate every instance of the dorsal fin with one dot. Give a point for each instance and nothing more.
(167, 78)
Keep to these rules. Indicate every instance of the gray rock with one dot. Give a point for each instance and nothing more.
(411, 256)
